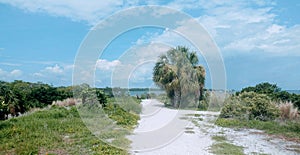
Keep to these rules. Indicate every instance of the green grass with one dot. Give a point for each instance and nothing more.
(222, 147)
(219, 138)
(57, 131)
(189, 131)
(287, 129)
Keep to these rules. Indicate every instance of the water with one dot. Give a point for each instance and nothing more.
(141, 92)
(294, 91)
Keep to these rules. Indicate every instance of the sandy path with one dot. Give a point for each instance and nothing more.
(168, 131)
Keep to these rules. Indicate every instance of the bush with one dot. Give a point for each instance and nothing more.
(288, 111)
(250, 106)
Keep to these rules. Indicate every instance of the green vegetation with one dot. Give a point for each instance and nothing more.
(274, 92)
(18, 97)
(249, 106)
(56, 131)
(262, 107)
(179, 75)
(124, 118)
(289, 129)
(222, 147)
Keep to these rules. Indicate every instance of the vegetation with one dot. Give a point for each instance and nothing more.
(56, 131)
(288, 111)
(250, 106)
(61, 131)
(222, 147)
(274, 92)
(18, 97)
(179, 75)
(262, 107)
(288, 129)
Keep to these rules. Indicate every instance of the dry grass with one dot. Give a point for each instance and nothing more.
(66, 102)
(288, 111)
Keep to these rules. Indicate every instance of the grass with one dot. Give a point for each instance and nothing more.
(222, 147)
(57, 131)
(189, 131)
(288, 129)
(219, 138)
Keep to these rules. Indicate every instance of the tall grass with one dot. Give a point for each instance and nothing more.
(66, 102)
(288, 111)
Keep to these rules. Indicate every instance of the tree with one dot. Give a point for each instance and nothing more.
(87, 94)
(9, 100)
(101, 97)
(178, 74)
(22, 92)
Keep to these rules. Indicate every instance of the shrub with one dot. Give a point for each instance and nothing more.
(234, 108)
(288, 111)
(250, 105)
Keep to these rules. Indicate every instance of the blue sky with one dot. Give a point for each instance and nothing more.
(259, 40)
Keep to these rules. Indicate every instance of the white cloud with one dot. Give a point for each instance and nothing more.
(10, 75)
(59, 74)
(242, 26)
(16, 73)
(2, 72)
(38, 75)
(91, 11)
(54, 69)
(275, 29)
(280, 40)
(105, 65)
(68, 67)
(142, 73)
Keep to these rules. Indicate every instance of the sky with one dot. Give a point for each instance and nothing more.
(258, 40)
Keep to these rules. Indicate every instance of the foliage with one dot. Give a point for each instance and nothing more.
(221, 147)
(263, 88)
(121, 116)
(289, 129)
(250, 106)
(274, 92)
(49, 132)
(288, 111)
(18, 97)
(46, 131)
(178, 74)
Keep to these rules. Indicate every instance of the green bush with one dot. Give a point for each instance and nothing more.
(250, 106)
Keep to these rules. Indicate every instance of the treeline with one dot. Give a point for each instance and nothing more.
(18, 97)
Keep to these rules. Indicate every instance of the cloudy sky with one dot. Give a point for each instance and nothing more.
(259, 40)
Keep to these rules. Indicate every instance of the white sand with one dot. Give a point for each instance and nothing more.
(162, 131)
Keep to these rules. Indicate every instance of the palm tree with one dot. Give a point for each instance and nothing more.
(177, 72)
